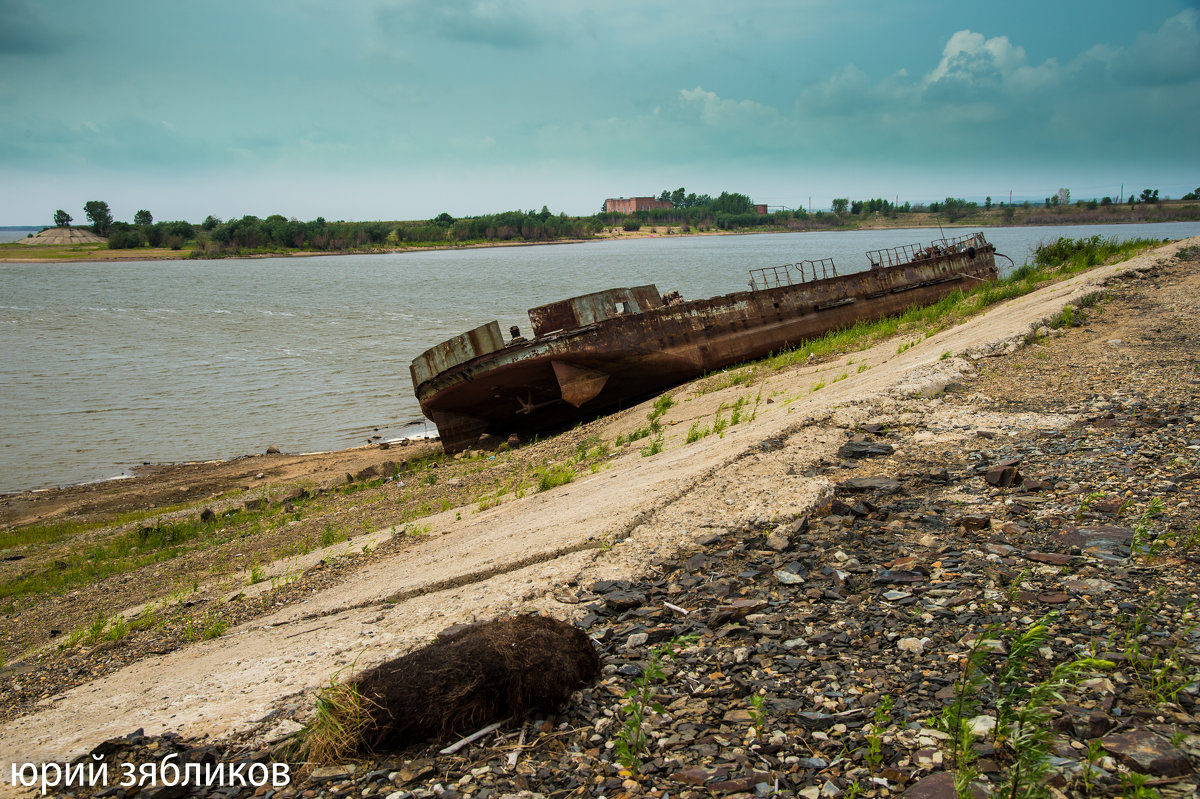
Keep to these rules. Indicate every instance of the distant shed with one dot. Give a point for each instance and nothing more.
(629, 205)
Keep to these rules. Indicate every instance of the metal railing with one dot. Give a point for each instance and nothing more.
(804, 271)
(962, 243)
(894, 256)
(771, 277)
(918, 252)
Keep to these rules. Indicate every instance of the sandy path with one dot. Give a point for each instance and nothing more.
(611, 524)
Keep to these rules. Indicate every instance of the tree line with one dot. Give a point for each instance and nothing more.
(215, 237)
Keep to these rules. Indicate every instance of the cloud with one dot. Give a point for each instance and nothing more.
(503, 24)
(973, 66)
(26, 31)
(715, 111)
(1169, 55)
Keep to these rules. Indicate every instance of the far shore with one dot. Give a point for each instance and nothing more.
(15, 252)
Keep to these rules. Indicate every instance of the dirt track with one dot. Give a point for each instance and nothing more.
(611, 524)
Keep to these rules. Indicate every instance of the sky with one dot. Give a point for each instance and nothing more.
(404, 109)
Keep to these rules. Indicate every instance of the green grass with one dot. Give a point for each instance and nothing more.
(1069, 255)
(257, 574)
(121, 553)
(696, 432)
(211, 626)
(661, 406)
(331, 535)
(553, 476)
(57, 531)
(655, 446)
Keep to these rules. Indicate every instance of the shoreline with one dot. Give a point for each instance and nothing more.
(104, 255)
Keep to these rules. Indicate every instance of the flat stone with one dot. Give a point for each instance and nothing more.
(788, 578)
(740, 608)
(898, 577)
(864, 449)
(334, 772)
(939, 785)
(1105, 541)
(884, 485)
(1052, 558)
(698, 775)
(1003, 476)
(975, 521)
(1142, 750)
(777, 542)
(624, 600)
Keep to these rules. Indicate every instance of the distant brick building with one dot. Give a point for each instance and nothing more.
(627, 205)
(761, 210)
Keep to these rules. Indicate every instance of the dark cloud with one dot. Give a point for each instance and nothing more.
(25, 29)
(1168, 56)
(503, 24)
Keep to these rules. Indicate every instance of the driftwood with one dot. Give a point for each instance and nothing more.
(480, 674)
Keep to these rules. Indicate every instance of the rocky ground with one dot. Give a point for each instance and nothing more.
(1040, 512)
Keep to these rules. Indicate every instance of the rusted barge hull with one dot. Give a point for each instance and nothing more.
(593, 353)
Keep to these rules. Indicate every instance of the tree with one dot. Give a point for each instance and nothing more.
(987, 203)
(956, 208)
(1064, 197)
(143, 217)
(62, 218)
(677, 197)
(841, 205)
(1192, 195)
(210, 222)
(1149, 197)
(101, 216)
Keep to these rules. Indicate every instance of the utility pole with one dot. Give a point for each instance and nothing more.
(1010, 198)
(1121, 196)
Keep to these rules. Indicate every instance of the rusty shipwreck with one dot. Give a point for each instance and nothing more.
(596, 352)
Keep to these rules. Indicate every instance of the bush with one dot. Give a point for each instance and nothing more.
(125, 240)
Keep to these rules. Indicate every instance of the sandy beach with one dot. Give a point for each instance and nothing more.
(490, 543)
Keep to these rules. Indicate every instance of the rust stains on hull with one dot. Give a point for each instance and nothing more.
(602, 350)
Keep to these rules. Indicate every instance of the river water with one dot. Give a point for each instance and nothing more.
(105, 366)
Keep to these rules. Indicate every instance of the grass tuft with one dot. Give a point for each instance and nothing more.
(343, 716)
(553, 476)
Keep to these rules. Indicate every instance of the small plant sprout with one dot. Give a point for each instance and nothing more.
(758, 717)
(631, 738)
(1142, 543)
(654, 447)
(878, 724)
(257, 574)
(1086, 502)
